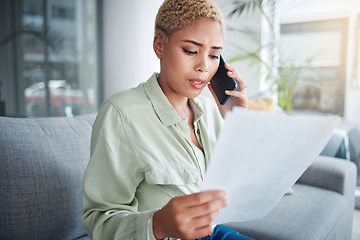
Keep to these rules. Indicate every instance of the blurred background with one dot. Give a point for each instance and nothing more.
(49, 57)
(64, 57)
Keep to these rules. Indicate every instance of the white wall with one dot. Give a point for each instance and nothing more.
(128, 36)
(318, 8)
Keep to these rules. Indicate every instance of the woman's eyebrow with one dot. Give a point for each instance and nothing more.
(199, 44)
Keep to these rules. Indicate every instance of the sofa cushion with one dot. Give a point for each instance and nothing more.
(42, 166)
(319, 214)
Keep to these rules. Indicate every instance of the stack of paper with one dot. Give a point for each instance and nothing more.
(259, 156)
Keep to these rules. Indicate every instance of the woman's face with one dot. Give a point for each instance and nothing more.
(189, 58)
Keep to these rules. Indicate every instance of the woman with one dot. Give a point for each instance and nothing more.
(150, 145)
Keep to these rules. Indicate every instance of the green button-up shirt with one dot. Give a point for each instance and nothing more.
(141, 157)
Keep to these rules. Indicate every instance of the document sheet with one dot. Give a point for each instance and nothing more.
(259, 156)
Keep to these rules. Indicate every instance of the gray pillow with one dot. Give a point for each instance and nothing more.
(42, 162)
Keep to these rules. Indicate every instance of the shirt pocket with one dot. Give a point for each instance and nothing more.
(172, 175)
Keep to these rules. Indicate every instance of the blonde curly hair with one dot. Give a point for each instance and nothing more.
(174, 15)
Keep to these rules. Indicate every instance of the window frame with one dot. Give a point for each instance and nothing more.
(311, 25)
(13, 84)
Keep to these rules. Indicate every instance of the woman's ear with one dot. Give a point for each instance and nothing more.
(158, 46)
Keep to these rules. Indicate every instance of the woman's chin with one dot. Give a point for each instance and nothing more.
(195, 94)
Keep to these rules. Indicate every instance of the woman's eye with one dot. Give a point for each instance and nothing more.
(214, 56)
(189, 52)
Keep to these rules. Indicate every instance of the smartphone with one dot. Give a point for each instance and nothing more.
(221, 82)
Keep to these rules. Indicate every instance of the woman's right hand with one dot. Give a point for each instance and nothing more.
(189, 216)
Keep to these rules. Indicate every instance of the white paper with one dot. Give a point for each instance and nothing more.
(259, 156)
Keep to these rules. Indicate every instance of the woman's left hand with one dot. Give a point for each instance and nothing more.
(237, 97)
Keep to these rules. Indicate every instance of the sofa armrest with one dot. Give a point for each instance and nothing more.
(333, 174)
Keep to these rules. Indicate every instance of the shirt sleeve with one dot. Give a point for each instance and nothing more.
(110, 182)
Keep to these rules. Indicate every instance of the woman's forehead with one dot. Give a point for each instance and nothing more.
(204, 31)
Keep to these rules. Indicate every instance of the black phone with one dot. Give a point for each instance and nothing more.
(221, 82)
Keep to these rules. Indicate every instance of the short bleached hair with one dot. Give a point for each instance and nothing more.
(174, 15)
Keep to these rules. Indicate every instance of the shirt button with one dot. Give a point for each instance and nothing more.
(198, 131)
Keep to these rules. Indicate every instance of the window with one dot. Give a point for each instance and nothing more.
(323, 44)
(63, 12)
(49, 54)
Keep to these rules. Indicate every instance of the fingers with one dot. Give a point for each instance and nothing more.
(208, 208)
(189, 216)
(202, 232)
(236, 93)
(238, 99)
(205, 220)
(238, 96)
(235, 75)
(200, 198)
(202, 208)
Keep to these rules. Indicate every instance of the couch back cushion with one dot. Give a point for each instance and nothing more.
(42, 165)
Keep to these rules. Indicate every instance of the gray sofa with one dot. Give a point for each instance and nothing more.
(42, 164)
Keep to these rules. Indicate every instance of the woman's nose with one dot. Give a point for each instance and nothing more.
(202, 65)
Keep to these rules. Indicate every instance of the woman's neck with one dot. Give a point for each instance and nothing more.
(181, 106)
(180, 103)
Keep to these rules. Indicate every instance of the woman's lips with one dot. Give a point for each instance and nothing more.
(197, 83)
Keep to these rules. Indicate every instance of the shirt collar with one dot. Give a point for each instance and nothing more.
(163, 108)
(197, 108)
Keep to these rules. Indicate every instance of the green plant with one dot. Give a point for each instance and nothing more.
(52, 39)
